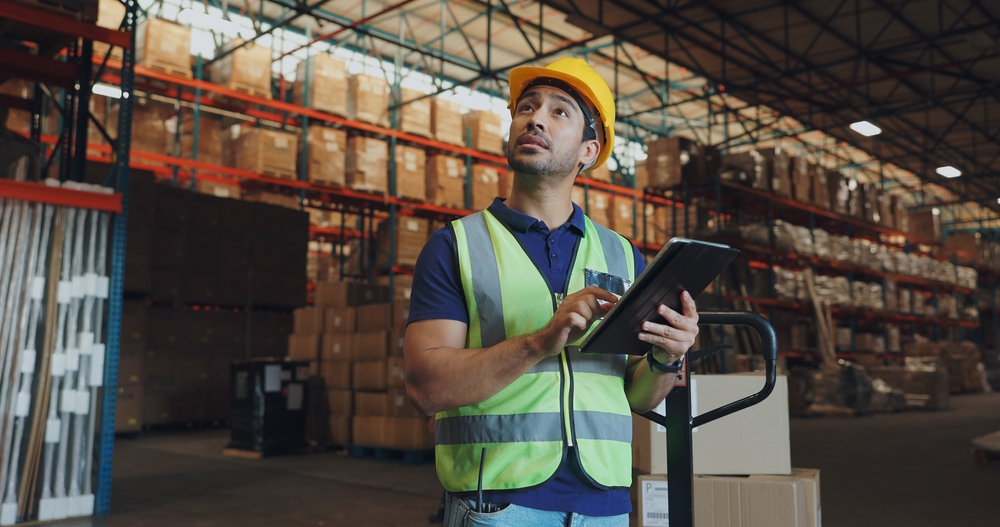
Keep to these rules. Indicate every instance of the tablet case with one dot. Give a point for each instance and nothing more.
(682, 265)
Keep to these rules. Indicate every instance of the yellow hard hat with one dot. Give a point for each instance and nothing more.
(579, 76)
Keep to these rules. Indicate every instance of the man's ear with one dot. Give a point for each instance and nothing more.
(589, 152)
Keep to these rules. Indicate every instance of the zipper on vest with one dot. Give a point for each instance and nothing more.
(566, 383)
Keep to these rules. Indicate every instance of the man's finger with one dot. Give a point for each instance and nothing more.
(690, 308)
(600, 294)
(675, 319)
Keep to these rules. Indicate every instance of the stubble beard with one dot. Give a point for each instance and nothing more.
(531, 166)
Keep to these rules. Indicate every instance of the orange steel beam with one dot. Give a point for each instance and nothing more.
(46, 19)
(42, 193)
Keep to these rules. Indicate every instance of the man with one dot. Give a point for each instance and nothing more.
(529, 431)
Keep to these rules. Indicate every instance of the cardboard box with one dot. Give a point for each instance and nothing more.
(371, 403)
(327, 84)
(336, 374)
(308, 320)
(364, 294)
(601, 173)
(331, 294)
(267, 152)
(396, 432)
(303, 346)
(109, 16)
(803, 173)
(368, 99)
(445, 181)
(505, 184)
(752, 441)
(670, 160)
(397, 337)
(641, 176)
(210, 137)
(400, 405)
(781, 173)
(366, 165)
(395, 372)
(622, 215)
(246, 70)
(821, 188)
(375, 317)
(338, 347)
(327, 156)
(370, 375)
(839, 193)
(164, 46)
(400, 313)
(755, 501)
(599, 207)
(925, 225)
(446, 122)
(485, 186)
(149, 131)
(901, 220)
(415, 115)
(340, 320)
(411, 173)
(411, 235)
(371, 346)
(484, 126)
(218, 189)
(340, 429)
(340, 401)
(966, 242)
(128, 409)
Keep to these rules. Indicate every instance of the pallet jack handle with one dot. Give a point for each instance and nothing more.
(678, 419)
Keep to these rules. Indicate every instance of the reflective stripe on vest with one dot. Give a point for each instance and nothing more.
(566, 399)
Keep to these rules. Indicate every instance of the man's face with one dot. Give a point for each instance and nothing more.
(546, 135)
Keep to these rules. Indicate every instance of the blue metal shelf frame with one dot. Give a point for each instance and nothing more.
(106, 439)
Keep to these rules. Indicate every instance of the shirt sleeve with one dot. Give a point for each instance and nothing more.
(437, 291)
(640, 262)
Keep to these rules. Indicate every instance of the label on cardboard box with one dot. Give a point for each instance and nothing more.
(331, 147)
(281, 142)
(655, 504)
(412, 225)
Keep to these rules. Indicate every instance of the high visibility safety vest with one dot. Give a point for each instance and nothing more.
(569, 399)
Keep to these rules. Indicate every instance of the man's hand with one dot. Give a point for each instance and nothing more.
(573, 318)
(674, 340)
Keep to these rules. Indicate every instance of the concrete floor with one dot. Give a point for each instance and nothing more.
(911, 469)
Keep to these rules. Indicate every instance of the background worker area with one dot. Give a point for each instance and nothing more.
(521, 419)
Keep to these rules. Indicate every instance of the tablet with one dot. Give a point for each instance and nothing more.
(681, 265)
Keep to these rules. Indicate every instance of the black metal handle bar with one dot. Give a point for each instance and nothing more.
(769, 347)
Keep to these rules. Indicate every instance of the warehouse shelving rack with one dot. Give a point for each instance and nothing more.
(50, 32)
(732, 199)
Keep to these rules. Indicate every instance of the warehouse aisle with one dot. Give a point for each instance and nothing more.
(913, 468)
(910, 469)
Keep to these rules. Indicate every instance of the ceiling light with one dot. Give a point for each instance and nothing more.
(107, 91)
(949, 172)
(206, 21)
(865, 128)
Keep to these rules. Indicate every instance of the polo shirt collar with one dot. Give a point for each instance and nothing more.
(522, 223)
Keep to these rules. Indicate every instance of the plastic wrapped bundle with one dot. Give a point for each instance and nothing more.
(786, 237)
(841, 248)
(868, 296)
(967, 276)
(902, 263)
(785, 284)
(947, 306)
(756, 233)
(868, 255)
(804, 241)
(834, 290)
(884, 256)
(905, 301)
(821, 243)
(891, 296)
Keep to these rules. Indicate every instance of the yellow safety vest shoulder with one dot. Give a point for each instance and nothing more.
(569, 399)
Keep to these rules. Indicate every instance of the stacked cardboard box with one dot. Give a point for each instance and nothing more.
(266, 152)
(838, 192)
(366, 165)
(411, 235)
(411, 178)
(485, 131)
(219, 189)
(446, 122)
(821, 188)
(485, 186)
(803, 173)
(246, 70)
(623, 214)
(641, 176)
(415, 116)
(601, 173)
(149, 131)
(368, 99)
(164, 46)
(109, 16)
(445, 181)
(673, 159)
(327, 84)
(327, 156)
(210, 137)
(595, 203)
(925, 225)
(132, 350)
(505, 183)
(754, 167)
(781, 174)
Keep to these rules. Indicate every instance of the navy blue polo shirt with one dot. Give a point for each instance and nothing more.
(437, 294)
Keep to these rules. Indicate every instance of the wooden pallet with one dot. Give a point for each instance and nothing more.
(169, 69)
(397, 455)
(986, 449)
(242, 454)
(412, 199)
(278, 175)
(246, 90)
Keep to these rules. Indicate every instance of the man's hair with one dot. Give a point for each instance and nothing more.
(589, 133)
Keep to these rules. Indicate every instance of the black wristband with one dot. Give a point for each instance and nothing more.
(665, 368)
